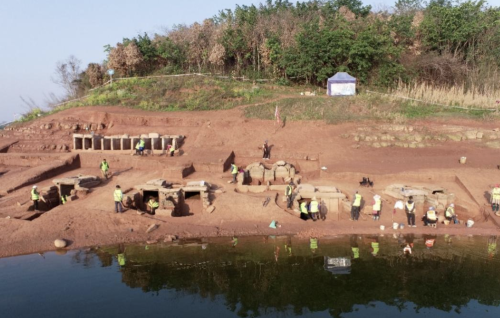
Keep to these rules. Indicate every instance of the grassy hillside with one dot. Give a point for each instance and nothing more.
(197, 93)
(181, 93)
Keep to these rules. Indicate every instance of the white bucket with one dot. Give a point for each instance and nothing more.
(463, 160)
(395, 225)
(470, 223)
(382, 227)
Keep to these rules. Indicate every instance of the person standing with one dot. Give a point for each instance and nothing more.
(172, 148)
(234, 172)
(314, 209)
(35, 197)
(289, 195)
(495, 199)
(410, 212)
(104, 168)
(377, 207)
(265, 149)
(153, 205)
(303, 211)
(118, 195)
(356, 206)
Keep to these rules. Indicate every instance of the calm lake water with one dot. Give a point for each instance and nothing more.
(349, 276)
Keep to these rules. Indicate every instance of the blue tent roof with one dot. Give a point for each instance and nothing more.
(342, 77)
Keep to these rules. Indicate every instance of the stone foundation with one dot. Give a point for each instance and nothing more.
(153, 141)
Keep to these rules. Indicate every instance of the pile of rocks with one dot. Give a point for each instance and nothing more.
(280, 170)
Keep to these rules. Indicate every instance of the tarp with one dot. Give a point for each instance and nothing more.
(341, 84)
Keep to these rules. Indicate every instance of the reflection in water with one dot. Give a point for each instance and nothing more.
(270, 276)
(254, 279)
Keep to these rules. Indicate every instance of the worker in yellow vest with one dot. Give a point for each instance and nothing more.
(118, 196)
(234, 172)
(139, 147)
(450, 214)
(153, 205)
(377, 207)
(304, 215)
(356, 206)
(63, 199)
(289, 195)
(314, 209)
(104, 168)
(410, 212)
(495, 199)
(431, 217)
(172, 148)
(35, 197)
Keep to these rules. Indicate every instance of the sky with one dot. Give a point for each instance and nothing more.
(37, 34)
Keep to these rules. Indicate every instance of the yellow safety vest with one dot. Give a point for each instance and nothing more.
(234, 169)
(377, 205)
(410, 206)
(314, 206)
(450, 212)
(288, 190)
(496, 193)
(118, 195)
(104, 166)
(138, 145)
(357, 200)
(431, 215)
(303, 207)
(35, 195)
(153, 204)
(63, 199)
(142, 143)
(376, 248)
(172, 148)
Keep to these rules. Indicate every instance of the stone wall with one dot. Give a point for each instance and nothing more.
(153, 142)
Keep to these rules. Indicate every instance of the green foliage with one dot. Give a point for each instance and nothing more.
(34, 113)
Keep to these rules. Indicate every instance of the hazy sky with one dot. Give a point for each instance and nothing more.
(36, 34)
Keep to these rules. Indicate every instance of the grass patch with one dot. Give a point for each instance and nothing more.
(361, 107)
(180, 93)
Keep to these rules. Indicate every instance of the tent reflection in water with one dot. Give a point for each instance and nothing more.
(341, 84)
(338, 265)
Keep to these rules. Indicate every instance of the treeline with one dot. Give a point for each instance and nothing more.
(442, 43)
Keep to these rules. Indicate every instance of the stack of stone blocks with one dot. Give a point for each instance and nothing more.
(264, 178)
(329, 197)
(81, 184)
(436, 197)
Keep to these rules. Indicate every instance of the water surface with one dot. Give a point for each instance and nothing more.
(351, 276)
